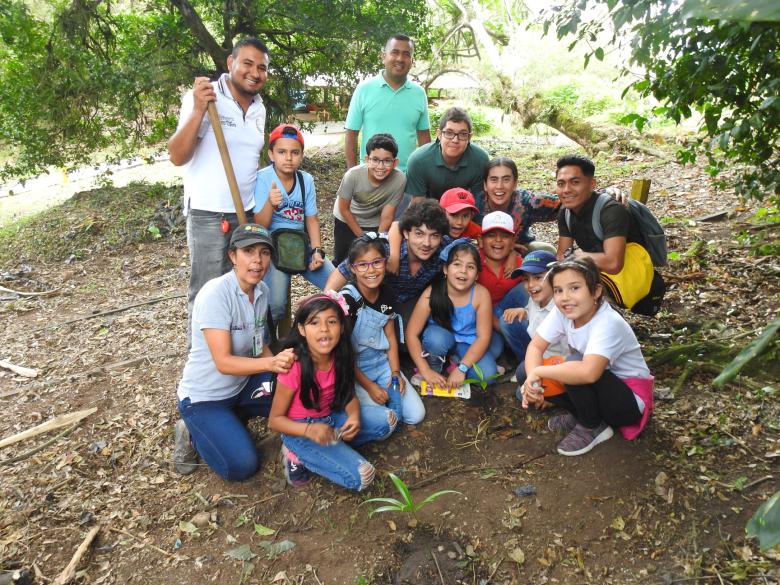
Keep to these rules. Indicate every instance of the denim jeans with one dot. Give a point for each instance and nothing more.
(279, 281)
(339, 462)
(218, 428)
(371, 345)
(516, 333)
(438, 343)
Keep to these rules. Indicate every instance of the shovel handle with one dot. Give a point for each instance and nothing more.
(226, 163)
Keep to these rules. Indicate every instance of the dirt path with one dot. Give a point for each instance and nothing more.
(668, 507)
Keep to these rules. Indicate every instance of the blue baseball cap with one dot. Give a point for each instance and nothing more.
(537, 262)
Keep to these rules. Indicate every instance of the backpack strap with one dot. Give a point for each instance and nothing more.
(601, 200)
(299, 178)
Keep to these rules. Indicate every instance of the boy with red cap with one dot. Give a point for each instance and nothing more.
(285, 198)
(497, 275)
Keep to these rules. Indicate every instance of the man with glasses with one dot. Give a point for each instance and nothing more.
(368, 195)
(390, 103)
(451, 161)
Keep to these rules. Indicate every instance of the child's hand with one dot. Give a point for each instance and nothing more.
(533, 393)
(377, 393)
(511, 314)
(455, 378)
(350, 428)
(434, 377)
(320, 433)
(401, 385)
(282, 361)
(275, 195)
(393, 265)
(316, 261)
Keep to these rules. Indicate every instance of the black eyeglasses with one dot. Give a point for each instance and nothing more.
(450, 135)
(376, 264)
(381, 162)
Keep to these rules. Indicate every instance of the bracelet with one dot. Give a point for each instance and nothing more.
(306, 429)
(318, 251)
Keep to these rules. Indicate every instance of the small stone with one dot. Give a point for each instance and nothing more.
(412, 523)
(452, 555)
(201, 519)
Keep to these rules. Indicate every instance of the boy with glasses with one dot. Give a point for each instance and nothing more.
(451, 161)
(368, 195)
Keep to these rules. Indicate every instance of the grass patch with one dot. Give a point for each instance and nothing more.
(93, 221)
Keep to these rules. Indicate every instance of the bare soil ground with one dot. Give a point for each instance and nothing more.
(669, 507)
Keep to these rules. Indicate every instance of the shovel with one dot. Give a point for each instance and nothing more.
(225, 155)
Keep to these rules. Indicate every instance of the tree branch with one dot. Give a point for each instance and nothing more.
(217, 53)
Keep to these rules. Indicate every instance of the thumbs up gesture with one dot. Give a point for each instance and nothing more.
(275, 196)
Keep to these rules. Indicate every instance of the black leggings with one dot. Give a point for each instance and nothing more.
(343, 236)
(608, 399)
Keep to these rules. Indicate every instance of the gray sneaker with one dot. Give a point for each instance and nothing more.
(185, 459)
(562, 423)
(582, 439)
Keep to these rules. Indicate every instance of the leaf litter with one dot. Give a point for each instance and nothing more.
(673, 504)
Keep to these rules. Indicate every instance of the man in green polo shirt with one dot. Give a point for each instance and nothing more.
(451, 161)
(389, 103)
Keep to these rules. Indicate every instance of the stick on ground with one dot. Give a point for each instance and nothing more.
(70, 571)
(53, 424)
(26, 372)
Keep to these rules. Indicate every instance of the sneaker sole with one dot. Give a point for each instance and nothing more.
(604, 435)
(285, 470)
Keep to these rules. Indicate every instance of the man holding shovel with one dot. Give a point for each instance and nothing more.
(208, 204)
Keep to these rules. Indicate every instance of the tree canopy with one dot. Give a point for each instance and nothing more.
(725, 67)
(84, 76)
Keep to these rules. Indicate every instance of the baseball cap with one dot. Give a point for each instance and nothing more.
(250, 233)
(285, 131)
(537, 261)
(498, 220)
(457, 199)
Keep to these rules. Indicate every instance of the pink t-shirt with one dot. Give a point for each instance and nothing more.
(326, 382)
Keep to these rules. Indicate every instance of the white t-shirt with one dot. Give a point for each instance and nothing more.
(536, 315)
(607, 334)
(205, 184)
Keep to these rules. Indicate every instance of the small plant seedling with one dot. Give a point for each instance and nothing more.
(406, 503)
(480, 379)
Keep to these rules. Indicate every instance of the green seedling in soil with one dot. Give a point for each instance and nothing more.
(480, 379)
(406, 503)
(765, 523)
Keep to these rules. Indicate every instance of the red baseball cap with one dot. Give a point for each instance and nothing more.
(285, 131)
(457, 199)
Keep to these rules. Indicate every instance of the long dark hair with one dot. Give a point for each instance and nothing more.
(343, 355)
(440, 302)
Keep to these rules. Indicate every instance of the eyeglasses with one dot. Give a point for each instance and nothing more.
(381, 162)
(376, 264)
(450, 135)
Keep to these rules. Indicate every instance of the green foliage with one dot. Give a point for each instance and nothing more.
(480, 122)
(573, 98)
(726, 71)
(480, 379)
(406, 503)
(765, 523)
(82, 78)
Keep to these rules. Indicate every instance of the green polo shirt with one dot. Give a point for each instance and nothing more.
(376, 107)
(427, 173)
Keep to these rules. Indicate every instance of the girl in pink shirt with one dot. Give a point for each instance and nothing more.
(315, 407)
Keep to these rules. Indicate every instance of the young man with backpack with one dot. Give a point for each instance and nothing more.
(624, 242)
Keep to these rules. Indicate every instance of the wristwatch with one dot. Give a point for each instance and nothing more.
(318, 250)
(463, 367)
